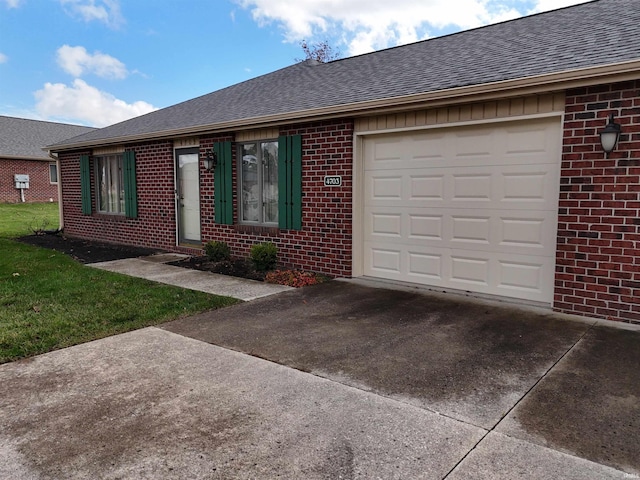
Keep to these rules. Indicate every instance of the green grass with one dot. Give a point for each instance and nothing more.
(49, 301)
(18, 219)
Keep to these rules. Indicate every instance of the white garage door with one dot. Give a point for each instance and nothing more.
(470, 208)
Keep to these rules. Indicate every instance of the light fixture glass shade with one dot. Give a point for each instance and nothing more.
(210, 160)
(609, 136)
(609, 140)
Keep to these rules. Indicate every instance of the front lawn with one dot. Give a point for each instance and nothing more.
(49, 301)
(18, 219)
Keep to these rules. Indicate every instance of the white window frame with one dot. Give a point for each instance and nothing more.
(55, 168)
(259, 196)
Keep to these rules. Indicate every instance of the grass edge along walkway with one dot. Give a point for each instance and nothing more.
(49, 301)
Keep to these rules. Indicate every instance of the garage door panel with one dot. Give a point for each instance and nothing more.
(470, 229)
(424, 227)
(386, 224)
(496, 273)
(522, 187)
(530, 138)
(425, 265)
(521, 276)
(469, 270)
(426, 187)
(507, 144)
(471, 208)
(386, 188)
(474, 187)
(530, 233)
(385, 260)
(523, 232)
(472, 148)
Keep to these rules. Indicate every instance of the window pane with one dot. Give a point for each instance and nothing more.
(101, 173)
(113, 186)
(119, 163)
(250, 187)
(53, 173)
(110, 184)
(270, 181)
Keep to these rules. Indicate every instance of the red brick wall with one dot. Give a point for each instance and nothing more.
(155, 225)
(40, 187)
(323, 244)
(598, 255)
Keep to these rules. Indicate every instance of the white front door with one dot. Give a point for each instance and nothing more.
(470, 208)
(188, 195)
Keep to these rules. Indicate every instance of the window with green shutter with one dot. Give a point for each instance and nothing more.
(270, 182)
(116, 189)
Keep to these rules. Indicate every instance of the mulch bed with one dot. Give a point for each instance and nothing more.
(92, 251)
(86, 251)
(237, 267)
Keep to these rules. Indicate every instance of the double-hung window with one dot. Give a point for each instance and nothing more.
(269, 183)
(115, 184)
(110, 184)
(259, 182)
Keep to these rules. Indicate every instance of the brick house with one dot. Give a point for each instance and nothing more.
(21, 153)
(470, 162)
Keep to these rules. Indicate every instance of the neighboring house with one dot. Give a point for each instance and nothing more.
(22, 155)
(470, 162)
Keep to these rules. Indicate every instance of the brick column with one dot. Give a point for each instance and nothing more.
(598, 254)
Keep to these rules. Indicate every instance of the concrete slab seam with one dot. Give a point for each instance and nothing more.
(544, 375)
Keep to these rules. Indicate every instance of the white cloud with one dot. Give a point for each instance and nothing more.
(367, 25)
(105, 11)
(77, 61)
(3, 58)
(84, 103)
(544, 5)
(12, 3)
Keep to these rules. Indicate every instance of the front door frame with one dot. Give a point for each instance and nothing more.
(180, 194)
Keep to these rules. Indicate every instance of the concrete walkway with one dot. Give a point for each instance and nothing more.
(155, 268)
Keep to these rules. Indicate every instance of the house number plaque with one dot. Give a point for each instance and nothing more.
(333, 181)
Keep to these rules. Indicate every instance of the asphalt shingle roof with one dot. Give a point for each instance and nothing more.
(23, 138)
(593, 34)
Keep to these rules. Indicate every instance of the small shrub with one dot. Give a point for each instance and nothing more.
(264, 256)
(294, 278)
(39, 227)
(217, 251)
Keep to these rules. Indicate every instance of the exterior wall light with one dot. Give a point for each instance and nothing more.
(210, 160)
(609, 136)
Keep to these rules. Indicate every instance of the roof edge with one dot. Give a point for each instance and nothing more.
(617, 72)
(26, 157)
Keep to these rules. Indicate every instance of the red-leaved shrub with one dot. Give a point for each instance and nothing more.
(294, 278)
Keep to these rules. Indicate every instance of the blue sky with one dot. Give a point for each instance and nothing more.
(98, 62)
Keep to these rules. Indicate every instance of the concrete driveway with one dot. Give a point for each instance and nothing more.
(339, 380)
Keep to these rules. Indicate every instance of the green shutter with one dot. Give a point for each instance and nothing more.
(296, 182)
(130, 190)
(290, 182)
(85, 184)
(223, 184)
